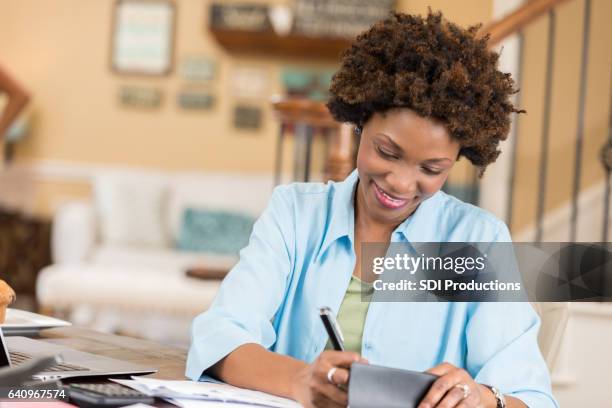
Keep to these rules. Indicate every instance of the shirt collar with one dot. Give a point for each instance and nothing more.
(341, 216)
(419, 227)
(422, 225)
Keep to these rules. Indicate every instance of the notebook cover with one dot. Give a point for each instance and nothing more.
(383, 387)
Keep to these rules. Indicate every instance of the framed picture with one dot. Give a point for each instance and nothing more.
(143, 37)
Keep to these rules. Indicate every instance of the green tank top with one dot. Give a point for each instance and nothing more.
(352, 314)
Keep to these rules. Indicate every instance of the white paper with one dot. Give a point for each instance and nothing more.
(183, 391)
(191, 403)
(18, 321)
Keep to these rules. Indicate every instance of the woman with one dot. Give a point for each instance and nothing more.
(422, 93)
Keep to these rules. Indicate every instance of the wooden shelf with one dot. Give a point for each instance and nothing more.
(269, 43)
(304, 111)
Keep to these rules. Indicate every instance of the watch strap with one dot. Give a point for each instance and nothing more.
(499, 397)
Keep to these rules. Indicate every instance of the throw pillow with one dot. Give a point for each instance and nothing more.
(130, 209)
(214, 231)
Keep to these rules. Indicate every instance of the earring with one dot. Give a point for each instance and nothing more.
(358, 130)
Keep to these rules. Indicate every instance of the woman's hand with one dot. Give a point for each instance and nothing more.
(448, 390)
(311, 387)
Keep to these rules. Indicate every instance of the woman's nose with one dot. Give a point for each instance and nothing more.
(403, 184)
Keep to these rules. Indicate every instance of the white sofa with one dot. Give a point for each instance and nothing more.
(115, 267)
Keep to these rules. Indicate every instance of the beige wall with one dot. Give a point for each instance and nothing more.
(60, 49)
(464, 13)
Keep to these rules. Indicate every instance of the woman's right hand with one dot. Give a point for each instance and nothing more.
(311, 388)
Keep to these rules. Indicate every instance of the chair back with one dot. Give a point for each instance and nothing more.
(554, 317)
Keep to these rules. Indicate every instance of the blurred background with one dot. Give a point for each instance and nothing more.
(155, 131)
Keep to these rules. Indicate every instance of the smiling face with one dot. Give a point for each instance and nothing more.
(403, 159)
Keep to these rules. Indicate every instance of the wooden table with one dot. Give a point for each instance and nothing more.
(170, 361)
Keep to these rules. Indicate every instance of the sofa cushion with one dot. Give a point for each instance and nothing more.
(169, 260)
(214, 231)
(130, 208)
(139, 289)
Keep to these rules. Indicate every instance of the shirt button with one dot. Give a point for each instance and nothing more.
(368, 346)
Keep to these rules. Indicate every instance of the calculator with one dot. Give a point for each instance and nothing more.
(105, 395)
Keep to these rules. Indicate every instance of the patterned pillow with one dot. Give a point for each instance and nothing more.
(214, 231)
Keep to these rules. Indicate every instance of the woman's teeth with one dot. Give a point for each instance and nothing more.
(387, 200)
(389, 197)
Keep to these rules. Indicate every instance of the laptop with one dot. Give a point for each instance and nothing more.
(16, 350)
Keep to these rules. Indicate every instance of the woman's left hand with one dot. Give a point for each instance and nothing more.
(448, 390)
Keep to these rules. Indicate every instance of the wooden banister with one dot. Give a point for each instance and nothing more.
(517, 20)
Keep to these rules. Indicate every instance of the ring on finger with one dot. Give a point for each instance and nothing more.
(330, 375)
(465, 389)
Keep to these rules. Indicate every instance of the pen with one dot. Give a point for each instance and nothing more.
(332, 328)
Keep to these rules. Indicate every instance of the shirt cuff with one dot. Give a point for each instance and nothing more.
(211, 348)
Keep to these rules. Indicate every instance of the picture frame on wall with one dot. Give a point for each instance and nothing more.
(142, 40)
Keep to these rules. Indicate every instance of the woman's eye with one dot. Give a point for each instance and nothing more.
(386, 154)
(431, 171)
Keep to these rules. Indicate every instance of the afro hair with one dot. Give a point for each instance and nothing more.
(433, 67)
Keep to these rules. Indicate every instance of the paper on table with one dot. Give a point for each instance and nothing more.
(191, 403)
(206, 391)
(21, 322)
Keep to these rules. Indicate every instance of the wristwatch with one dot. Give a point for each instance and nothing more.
(499, 397)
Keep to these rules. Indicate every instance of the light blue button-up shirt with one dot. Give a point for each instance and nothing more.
(300, 257)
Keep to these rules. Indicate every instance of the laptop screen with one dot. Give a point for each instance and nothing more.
(4, 355)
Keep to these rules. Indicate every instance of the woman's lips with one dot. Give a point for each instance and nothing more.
(387, 200)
